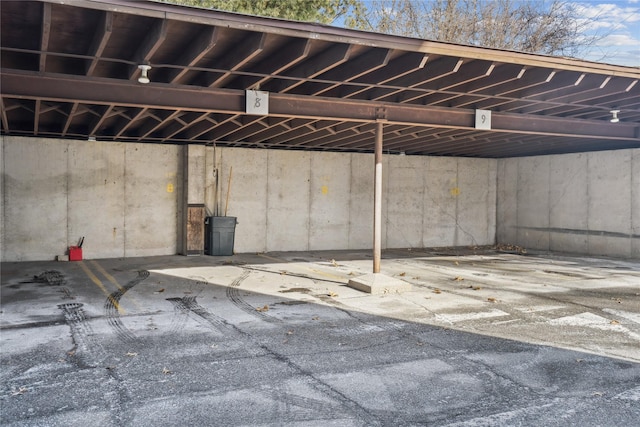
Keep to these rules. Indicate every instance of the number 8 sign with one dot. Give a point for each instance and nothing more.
(257, 102)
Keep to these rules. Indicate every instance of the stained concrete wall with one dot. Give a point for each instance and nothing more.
(121, 197)
(289, 200)
(587, 203)
(129, 199)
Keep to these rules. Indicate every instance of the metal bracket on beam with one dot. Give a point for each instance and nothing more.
(381, 114)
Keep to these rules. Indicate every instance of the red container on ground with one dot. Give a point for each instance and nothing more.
(75, 253)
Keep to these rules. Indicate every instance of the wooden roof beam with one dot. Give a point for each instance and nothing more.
(45, 34)
(398, 68)
(31, 85)
(194, 52)
(238, 56)
(101, 38)
(5, 119)
(278, 62)
(128, 123)
(152, 42)
(434, 70)
(360, 66)
(312, 67)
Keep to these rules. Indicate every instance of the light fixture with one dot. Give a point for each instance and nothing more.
(144, 77)
(615, 118)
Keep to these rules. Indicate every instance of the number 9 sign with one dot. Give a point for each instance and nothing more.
(483, 119)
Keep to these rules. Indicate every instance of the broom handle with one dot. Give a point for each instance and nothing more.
(226, 206)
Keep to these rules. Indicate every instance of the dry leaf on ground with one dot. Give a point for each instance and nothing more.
(20, 391)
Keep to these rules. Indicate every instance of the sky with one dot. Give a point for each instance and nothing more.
(617, 24)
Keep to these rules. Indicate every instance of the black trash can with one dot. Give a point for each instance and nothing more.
(219, 236)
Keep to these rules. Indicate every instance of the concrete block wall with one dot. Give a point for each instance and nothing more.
(585, 203)
(129, 199)
(291, 200)
(122, 197)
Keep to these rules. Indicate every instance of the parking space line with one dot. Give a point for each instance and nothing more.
(107, 275)
(113, 280)
(100, 285)
(280, 260)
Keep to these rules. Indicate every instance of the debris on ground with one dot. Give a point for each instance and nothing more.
(50, 277)
(20, 391)
(503, 247)
(263, 309)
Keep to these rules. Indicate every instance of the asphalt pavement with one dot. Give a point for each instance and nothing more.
(483, 338)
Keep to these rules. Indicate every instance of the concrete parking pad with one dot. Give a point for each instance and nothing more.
(482, 338)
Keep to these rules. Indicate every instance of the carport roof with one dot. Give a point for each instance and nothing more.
(70, 70)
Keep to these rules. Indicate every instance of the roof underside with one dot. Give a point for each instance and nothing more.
(70, 71)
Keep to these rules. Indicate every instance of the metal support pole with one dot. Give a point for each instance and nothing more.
(377, 201)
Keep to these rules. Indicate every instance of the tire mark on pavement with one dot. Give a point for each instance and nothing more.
(308, 403)
(233, 293)
(111, 306)
(81, 333)
(50, 277)
(189, 306)
(181, 312)
(352, 407)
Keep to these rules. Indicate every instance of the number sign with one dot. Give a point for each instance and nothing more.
(257, 102)
(483, 119)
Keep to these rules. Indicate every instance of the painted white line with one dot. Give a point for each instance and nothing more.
(460, 317)
(590, 320)
(634, 317)
(538, 308)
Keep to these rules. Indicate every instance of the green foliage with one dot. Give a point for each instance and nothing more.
(320, 11)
